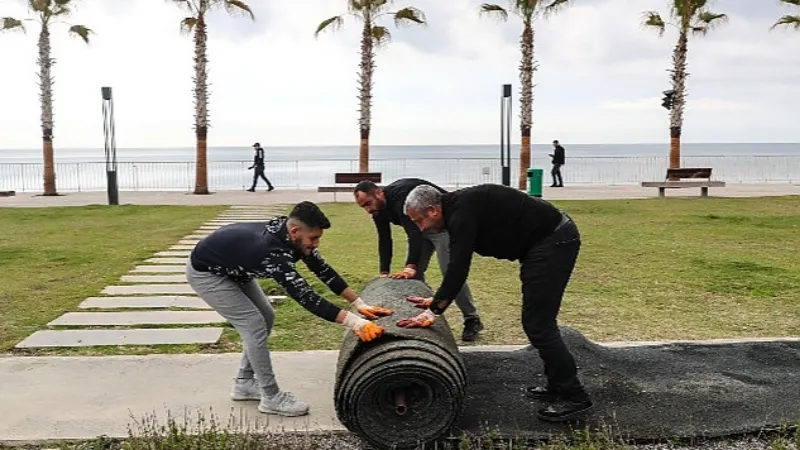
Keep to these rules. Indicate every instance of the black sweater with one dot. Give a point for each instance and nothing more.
(490, 220)
(392, 213)
(243, 251)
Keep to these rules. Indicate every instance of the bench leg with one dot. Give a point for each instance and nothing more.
(661, 191)
(704, 191)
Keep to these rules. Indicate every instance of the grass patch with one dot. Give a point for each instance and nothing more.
(53, 258)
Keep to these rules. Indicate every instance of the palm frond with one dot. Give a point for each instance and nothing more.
(81, 31)
(555, 7)
(788, 21)
(334, 23)
(184, 4)
(10, 23)
(381, 35)
(653, 19)
(188, 24)
(494, 10)
(711, 19)
(791, 2)
(38, 5)
(409, 15)
(238, 6)
(62, 2)
(699, 29)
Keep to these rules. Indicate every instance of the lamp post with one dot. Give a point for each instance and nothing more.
(110, 146)
(505, 135)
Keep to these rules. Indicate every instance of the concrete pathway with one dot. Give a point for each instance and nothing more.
(152, 294)
(292, 196)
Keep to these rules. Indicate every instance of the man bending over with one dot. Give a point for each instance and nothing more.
(223, 268)
(504, 223)
(386, 207)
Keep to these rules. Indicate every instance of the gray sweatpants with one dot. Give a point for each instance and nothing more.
(247, 309)
(440, 243)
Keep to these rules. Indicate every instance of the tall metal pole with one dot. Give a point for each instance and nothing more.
(505, 133)
(110, 146)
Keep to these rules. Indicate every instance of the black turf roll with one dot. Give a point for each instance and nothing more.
(423, 364)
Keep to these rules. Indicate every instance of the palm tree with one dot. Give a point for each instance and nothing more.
(691, 17)
(373, 36)
(47, 13)
(196, 22)
(528, 11)
(787, 20)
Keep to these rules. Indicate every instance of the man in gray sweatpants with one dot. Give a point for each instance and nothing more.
(386, 207)
(223, 268)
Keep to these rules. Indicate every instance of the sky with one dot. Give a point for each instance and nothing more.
(600, 77)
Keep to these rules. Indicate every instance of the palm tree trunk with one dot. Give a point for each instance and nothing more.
(526, 103)
(46, 97)
(679, 98)
(201, 106)
(365, 94)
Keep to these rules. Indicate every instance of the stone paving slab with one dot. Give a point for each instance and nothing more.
(160, 260)
(170, 253)
(209, 227)
(197, 235)
(155, 302)
(154, 278)
(138, 318)
(173, 268)
(181, 247)
(183, 288)
(191, 242)
(230, 222)
(148, 336)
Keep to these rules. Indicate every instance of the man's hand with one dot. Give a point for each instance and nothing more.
(364, 329)
(422, 320)
(420, 302)
(371, 312)
(407, 273)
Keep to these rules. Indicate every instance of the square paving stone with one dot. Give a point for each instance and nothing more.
(150, 336)
(149, 289)
(138, 318)
(170, 268)
(154, 302)
(181, 247)
(160, 260)
(191, 242)
(154, 278)
(171, 253)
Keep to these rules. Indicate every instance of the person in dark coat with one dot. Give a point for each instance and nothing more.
(558, 161)
(258, 165)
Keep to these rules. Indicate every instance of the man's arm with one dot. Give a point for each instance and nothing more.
(462, 243)
(384, 242)
(325, 272)
(281, 268)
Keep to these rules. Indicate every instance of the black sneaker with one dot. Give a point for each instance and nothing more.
(563, 410)
(542, 393)
(472, 326)
(270, 189)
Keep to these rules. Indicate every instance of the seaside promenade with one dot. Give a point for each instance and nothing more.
(291, 196)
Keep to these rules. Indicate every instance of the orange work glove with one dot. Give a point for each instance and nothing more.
(407, 273)
(364, 329)
(371, 312)
(420, 302)
(422, 320)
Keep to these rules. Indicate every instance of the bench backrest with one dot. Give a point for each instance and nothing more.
(688, 172)
(354, 178)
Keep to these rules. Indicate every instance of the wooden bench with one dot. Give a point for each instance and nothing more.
(346, 182)
(701, 177)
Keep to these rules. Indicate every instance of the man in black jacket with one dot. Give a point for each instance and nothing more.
(558, 159)
(504, 223)
(222, 270)
(386, 207)
(258, 165)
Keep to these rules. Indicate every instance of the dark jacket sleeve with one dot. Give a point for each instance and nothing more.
(384, 241)
(463, 230)
(281, 268)
(325, 272)
(415, 240)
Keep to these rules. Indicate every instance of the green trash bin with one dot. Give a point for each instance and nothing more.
(535, 182)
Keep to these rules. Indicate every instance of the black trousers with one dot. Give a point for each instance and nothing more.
(258, 171)
(545, 271)
(556, 173)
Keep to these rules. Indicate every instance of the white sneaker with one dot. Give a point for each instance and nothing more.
(246, 389)
(283, 404)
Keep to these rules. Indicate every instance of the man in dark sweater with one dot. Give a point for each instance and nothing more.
(386, 207)
(504, 223)
(558, 159)
(223, 268)
(258, 165)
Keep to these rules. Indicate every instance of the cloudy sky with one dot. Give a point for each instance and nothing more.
(600, 76)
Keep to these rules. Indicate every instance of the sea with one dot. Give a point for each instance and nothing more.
(172, 168)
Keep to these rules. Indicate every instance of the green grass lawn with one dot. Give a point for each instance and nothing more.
(53, 258)
(648, 269)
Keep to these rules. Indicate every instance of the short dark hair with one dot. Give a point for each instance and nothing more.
(310, 214)
(367, 187)
(555, 142)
